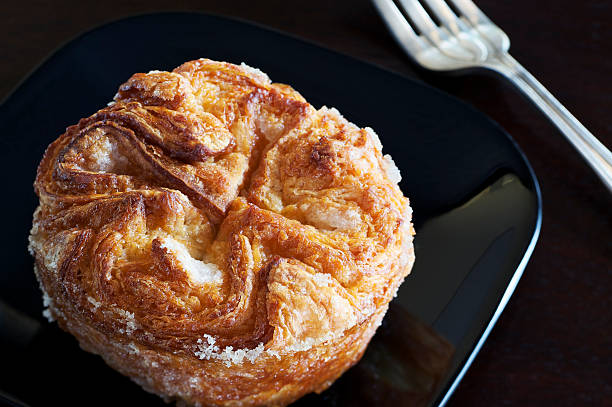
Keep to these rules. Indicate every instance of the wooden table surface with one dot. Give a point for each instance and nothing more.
(552, 344)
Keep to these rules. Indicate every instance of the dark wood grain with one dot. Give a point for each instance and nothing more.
(552, 345)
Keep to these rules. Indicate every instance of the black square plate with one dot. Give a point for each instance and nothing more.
(475, 198)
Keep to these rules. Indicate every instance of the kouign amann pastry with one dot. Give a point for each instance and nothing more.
(217, 239)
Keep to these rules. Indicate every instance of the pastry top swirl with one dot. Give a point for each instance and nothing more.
(208, 202)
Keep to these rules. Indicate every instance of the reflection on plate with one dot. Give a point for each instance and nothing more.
(476, 206)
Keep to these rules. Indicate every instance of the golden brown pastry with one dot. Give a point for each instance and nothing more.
(218, 240)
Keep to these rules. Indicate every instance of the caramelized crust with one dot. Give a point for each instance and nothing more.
(217, 239)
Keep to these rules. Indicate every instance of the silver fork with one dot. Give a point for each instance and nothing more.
(465, 39)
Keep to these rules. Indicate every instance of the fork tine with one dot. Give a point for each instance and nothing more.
(399, 27)
(482, 25)
(446, 16)
(458, 28)
(471, 12)
(447, 42)
(421, 19)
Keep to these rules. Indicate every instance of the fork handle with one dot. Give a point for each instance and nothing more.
(591, 149)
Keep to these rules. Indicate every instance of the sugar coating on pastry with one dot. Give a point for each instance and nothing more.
(217, 239)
